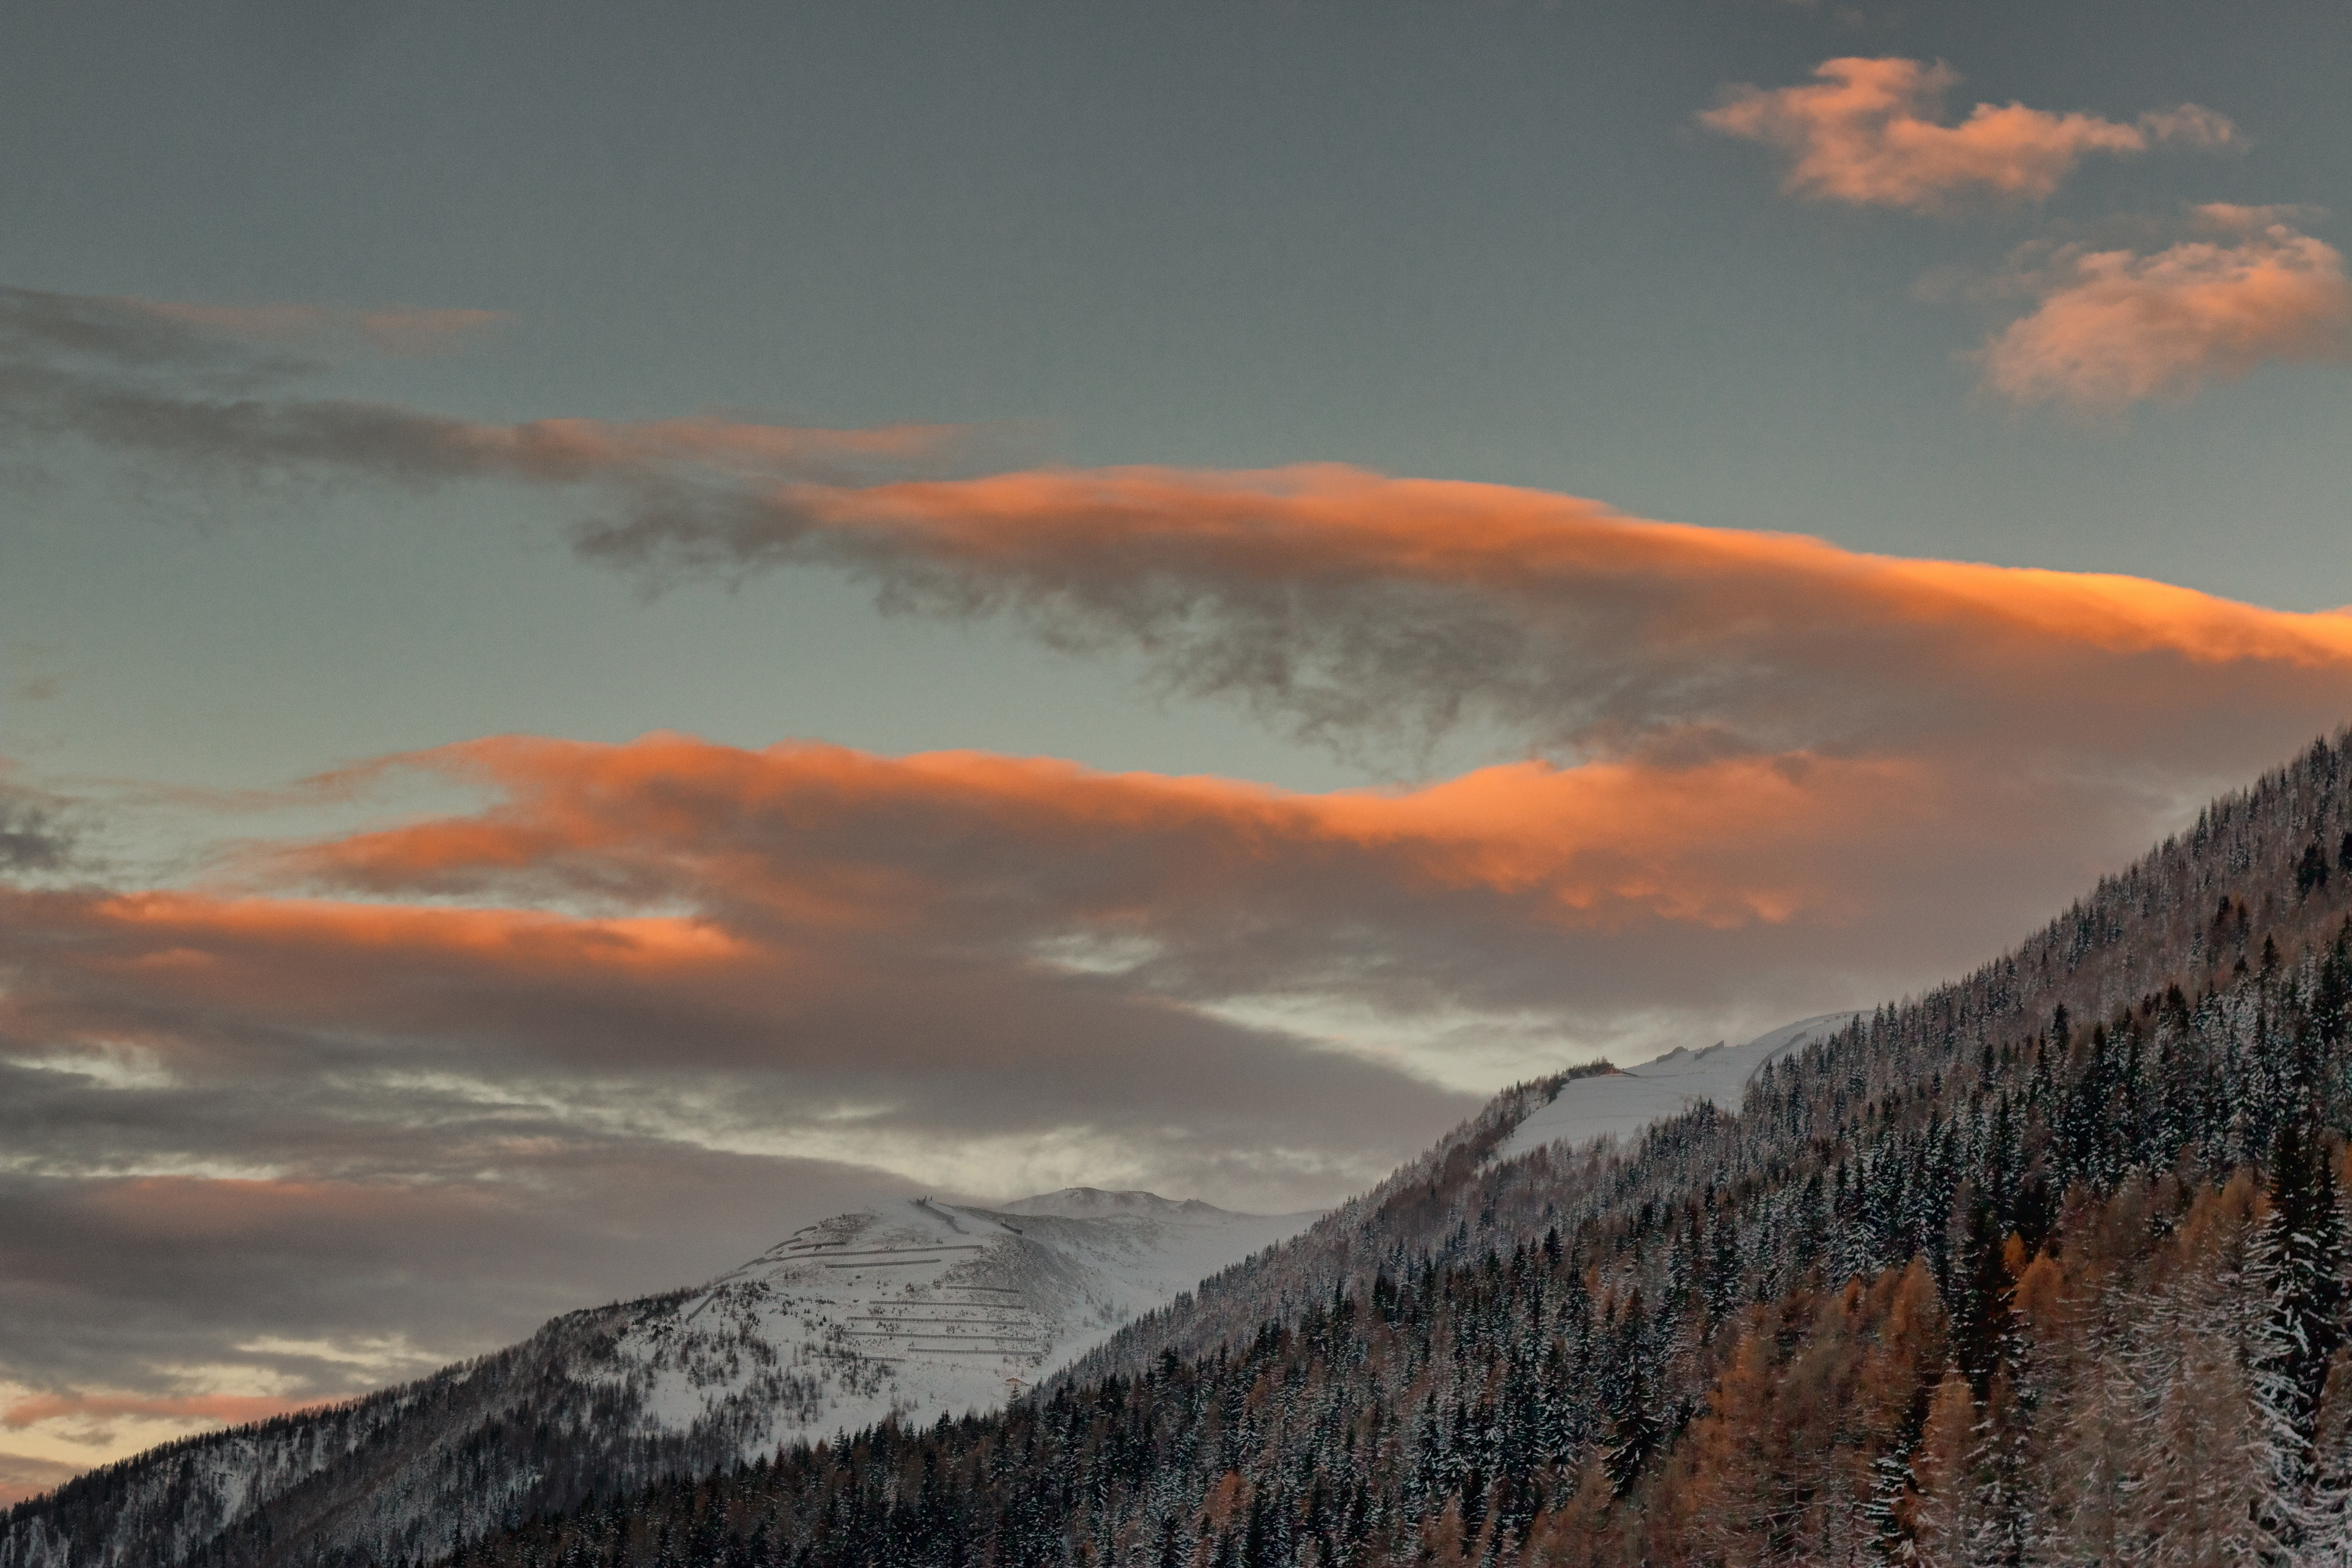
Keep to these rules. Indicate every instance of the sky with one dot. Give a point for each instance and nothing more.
(622, 628)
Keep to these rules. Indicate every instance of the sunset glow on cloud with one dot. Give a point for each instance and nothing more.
(1869, 133)
(231, 1408)
(1342, 601)
(2115, 327)
(759, 910)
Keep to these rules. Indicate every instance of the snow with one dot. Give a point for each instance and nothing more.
(918, 1309)
(1621, 1104)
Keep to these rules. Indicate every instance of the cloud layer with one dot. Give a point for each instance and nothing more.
(406, 329)
(1870, 132)
(2117, 327)
(340, 1106)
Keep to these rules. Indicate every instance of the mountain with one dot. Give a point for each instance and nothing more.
(904, 1311)
(2048, 1265)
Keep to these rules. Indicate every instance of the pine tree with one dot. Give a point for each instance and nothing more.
(1635, 1430)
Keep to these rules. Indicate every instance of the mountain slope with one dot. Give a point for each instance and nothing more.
(907, 1310)
(2270, 864)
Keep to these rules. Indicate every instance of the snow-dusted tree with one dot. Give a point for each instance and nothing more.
(2297, 1271)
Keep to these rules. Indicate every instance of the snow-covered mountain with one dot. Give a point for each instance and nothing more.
(1623, 1102)
(920, 1309)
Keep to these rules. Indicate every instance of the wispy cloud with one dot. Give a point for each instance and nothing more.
(211, 389)
(655, 1003)
(2117, 327)
(24, 1476)
(1871, 132)
(404, 330)
(1370, 612)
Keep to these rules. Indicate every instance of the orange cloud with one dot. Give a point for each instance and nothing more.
(203, 977)
(583, 450)
(830, 911)
(521, 939)
(1869, 133)
(1349, 603)
(641, 956)
(2115, 327)
(813, 838)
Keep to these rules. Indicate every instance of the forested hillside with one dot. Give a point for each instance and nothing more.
(2046, 1265)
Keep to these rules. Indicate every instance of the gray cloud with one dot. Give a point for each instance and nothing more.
(36, 834)
(21, 1476)
(209, 392)
(410, 1146)
(175, 1284)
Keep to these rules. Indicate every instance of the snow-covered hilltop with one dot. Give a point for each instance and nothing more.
(1622, 1104)
(920, 1309)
